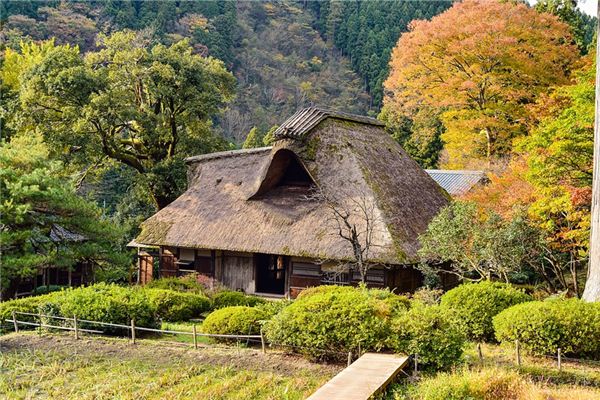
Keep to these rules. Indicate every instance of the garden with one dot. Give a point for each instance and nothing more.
(462, 339)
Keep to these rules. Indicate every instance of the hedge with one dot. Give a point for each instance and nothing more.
(336, 319)
(175, 306)
(235, 320)
(432, 333)
(228, 298)
(543, 326)
(26, 304)
(477, 304)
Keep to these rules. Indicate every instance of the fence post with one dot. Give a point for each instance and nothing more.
(262, 341)
(349, 358)
(480, 352)
(195, 337)
(359, 352)
(518, 351)
(75, 326)
(15, 321)
(132, 331)
(559, 359)
(416, 370)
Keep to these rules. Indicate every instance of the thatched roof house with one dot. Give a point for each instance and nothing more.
(248, 212)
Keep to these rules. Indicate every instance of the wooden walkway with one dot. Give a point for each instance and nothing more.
(367, 376)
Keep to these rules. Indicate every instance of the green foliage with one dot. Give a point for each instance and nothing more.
(494, 384)
(228, 298)
(186, 283)
(146, 107)
(170, 305)
(105, 303)
(26, 305)
(44, 221)
(235, 320)
(432, 332)
(367, 31)
(271, 308)
(476, 304)
(480, 246)
(253, 140)
(543, 326)
(335, 319)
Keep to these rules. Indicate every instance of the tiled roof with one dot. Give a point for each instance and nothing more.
(456, 182)
(299, 124)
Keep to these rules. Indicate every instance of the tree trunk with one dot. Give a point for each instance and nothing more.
(592, 285)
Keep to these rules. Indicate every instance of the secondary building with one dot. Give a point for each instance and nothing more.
(334, 192)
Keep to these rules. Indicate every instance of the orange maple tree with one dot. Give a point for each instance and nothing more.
(480, 63)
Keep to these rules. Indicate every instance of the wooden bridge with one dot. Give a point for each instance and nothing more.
(367, 376)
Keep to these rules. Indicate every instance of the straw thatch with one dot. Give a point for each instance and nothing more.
(234, 203)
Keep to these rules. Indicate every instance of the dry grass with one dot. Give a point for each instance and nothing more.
(59, 367)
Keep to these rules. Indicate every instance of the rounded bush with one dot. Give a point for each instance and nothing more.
(235, 320)
(271, 308)
(335, 319)
(177, 306)
(432, 333)
(477, 304)
(543, 326)
(229, 298)
(106, 303)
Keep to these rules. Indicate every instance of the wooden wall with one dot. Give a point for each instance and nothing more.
(235, 270)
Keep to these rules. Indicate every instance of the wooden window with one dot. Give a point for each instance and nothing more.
(306, 269)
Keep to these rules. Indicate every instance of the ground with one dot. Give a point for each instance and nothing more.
(58, 366)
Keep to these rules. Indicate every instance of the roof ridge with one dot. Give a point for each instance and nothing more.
(228, 153)
(304, 120)
(456, 171)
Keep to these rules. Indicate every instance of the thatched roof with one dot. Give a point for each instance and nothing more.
(456, 182)
(234, 201)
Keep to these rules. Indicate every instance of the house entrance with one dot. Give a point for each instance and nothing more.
(270, 273)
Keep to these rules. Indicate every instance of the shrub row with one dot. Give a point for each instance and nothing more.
(543, 326)
(113, 304)
(235, 320)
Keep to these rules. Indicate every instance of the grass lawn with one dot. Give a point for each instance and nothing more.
(59, 367)
(541, 377)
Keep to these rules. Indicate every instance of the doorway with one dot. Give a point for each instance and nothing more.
(270, 273)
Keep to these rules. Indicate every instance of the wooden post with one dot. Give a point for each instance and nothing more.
(75, 326)
(559, 359)
(480, 352)
(15, 321)
(416, 364)
(349, 358)
(195, 337)
(518, 351)
(132, 331)
(262, 341)
(359, 352)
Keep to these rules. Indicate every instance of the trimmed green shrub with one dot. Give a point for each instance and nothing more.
(187, 283)
(432, 332)
(48, 289)
(177, 306)
(106, 303)
(543, 326)
(336, 319)
(26, 304)
(229, 298)
(236, 320)
(271, 308)
(486, 384)
(478, 303)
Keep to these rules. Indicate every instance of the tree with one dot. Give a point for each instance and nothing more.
(145, 107)
(254, 139)
(592, 285)
(480, 64)
(37, 202)
(352, 217)
(479, 246)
